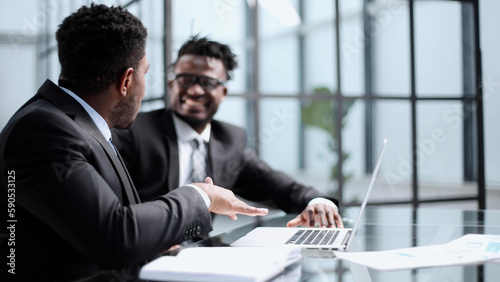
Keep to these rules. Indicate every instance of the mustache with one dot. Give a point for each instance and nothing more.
(193, 121)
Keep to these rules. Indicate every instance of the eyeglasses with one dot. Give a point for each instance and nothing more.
(186, 80)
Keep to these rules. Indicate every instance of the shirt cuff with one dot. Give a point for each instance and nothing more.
(202, 193)
(323, 201)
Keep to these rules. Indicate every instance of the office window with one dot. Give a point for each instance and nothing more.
(438, 49)
(39, 20)
(383, 68)
(374, 67)
(352, 57)
(440, 146)
(319, 58)
(390, 46)
(279, 121)
(233, 110)
(489, 22)
(278, 65)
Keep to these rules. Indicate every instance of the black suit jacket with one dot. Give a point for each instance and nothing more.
(76, 210)
(150, 152)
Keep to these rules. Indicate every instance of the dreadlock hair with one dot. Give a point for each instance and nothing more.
(203, 46)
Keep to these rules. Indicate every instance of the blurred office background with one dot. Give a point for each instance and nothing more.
(321, 84)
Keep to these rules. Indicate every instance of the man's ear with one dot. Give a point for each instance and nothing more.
(125, 81)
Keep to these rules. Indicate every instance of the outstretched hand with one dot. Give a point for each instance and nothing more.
(223, 201)
(321, 215)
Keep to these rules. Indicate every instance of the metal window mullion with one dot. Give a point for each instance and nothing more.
(413, 100)
(338, 98)
(301, 79)
(479, 111)
(253, 101)
(368, 71)
(468, 81)
(167, 47)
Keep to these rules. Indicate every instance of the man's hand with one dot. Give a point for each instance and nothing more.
(318, 214)
(223, 201)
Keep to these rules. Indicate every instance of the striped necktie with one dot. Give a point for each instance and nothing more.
(199, 161)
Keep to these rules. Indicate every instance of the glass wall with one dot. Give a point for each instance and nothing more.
(318, 82)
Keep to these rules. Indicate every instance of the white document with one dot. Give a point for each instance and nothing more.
(221, 264)
(469, 249)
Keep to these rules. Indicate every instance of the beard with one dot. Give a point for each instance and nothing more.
(194, 121)
(124, 113)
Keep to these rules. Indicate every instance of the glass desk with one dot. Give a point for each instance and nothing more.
(385, 228)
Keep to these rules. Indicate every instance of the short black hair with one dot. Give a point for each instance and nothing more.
(96, 45)
(203, 46)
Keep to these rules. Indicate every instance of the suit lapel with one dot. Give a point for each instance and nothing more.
(130, 190)
(72, 108)
(118, 165)
(215, 156)
(172, 149)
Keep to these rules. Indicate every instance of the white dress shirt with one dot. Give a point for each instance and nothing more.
(185, 133)
(99, 121)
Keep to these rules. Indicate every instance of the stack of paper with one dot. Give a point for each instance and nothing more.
(221, 264)
(469, 249)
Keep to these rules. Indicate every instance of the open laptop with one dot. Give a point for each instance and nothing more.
(309, 238)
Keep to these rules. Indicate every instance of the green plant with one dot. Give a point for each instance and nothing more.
(322, 113)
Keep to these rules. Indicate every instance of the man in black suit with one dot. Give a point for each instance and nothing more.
(157, 148)
(71, 209)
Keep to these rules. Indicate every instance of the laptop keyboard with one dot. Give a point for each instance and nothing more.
(313, 237)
